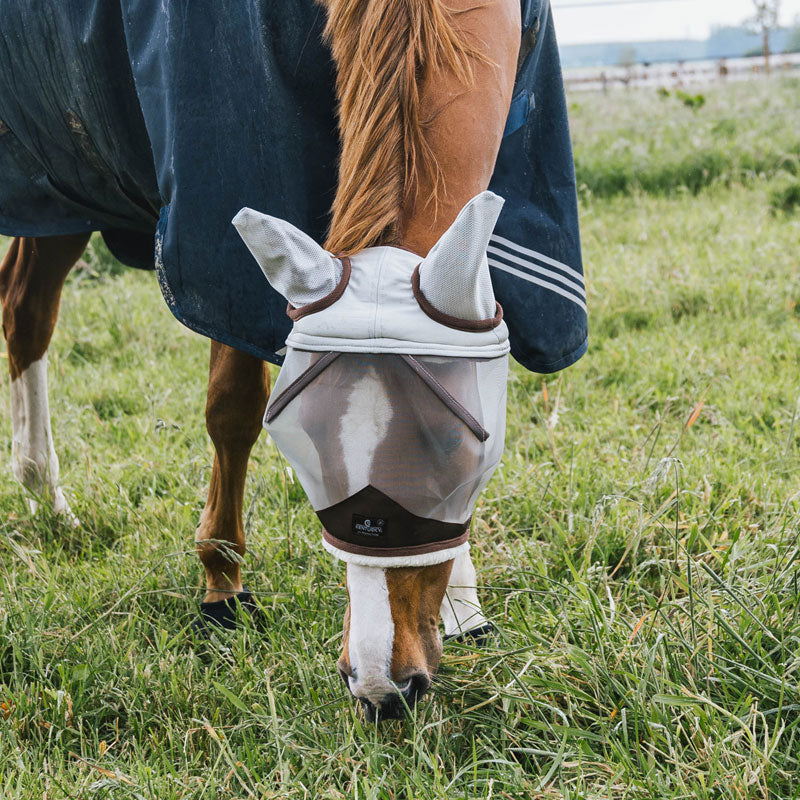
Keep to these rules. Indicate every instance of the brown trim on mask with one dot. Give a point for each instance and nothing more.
(429, 379)
(468, 325)
(295, 314)
(298, 384)
(389, 552)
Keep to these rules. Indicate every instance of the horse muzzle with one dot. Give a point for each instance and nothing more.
(392, 704)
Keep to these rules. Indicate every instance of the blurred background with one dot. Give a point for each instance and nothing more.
(638, 549)
(645, 42)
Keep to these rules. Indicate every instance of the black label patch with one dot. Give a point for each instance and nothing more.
(368, 526)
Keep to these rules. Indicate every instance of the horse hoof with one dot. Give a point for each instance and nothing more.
(222, 613)
(477, 637)
(60, 508)
(66, 515)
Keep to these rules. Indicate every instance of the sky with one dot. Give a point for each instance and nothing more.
(622, 20)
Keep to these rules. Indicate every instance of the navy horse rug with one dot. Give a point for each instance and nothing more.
(155, 122)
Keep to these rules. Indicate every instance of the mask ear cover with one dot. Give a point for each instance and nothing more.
(294, 264)
(454, 277)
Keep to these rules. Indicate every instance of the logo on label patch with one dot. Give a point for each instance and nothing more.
(368, 526)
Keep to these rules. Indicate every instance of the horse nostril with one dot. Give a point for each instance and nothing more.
(394, 706)
(418, 684)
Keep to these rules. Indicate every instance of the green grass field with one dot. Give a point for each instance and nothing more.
(638, 547)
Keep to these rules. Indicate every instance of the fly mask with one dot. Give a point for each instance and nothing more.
(391, 402)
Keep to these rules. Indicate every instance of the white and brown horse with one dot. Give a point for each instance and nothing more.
(424, 88)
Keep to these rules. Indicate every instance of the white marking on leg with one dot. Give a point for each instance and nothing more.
(461, 609)
(363, 427)
(34, 459)
(371, 633)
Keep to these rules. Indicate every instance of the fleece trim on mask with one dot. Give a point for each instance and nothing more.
(388, 562)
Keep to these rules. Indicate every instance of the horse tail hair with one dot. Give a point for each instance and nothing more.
(385, 50)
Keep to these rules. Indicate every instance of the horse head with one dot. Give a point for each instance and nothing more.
(391, 408)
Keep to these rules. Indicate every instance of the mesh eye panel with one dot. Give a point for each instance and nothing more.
(367, 420)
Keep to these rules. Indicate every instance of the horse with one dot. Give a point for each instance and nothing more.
(423, 91)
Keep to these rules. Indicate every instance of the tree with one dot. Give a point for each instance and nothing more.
(793, 45)
(626, 56)
(763, 22)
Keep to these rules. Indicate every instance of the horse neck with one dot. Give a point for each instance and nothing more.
(423, 97)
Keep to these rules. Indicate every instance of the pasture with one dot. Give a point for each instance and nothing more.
(638, 549)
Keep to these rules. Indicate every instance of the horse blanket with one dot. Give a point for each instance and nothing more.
(156, 122)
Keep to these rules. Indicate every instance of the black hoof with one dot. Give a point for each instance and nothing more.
(222, 614)
(476, 637)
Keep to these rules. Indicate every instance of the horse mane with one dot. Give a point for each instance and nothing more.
(385, 50)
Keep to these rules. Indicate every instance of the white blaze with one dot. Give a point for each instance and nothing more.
(34, 459)
(371, 633)
(364, 426)
(461, 609)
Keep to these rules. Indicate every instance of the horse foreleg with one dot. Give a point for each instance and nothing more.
(461, 609)
(238, 390)
(32, 276)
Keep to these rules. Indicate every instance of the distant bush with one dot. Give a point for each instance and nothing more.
(785, 197)
(693, 101)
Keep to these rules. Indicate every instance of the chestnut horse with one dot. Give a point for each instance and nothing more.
(424, 90)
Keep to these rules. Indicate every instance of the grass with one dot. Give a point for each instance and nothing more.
(655, 142)
(638, 548)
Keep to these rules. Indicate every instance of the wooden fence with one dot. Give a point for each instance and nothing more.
(679, 73)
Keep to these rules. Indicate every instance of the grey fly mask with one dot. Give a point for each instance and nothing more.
(391, 403)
